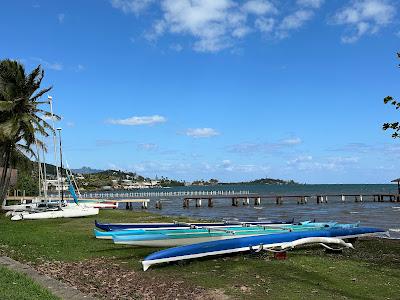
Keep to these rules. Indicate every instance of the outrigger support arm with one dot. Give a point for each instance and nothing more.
(310, 240)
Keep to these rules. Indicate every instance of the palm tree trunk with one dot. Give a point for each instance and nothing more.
(3, 180)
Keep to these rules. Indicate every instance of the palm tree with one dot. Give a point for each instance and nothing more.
(21, 118)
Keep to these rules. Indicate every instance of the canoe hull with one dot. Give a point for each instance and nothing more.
(254, 243)
(179, 242)
(123, 226)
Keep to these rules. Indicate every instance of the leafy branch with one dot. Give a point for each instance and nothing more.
(395, 126)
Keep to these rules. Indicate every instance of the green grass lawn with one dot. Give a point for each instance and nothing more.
(372, 271)
(16, 286)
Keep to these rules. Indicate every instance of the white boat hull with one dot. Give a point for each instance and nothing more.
(66, 212)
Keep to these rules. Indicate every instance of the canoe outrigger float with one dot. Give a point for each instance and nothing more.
(270, 242)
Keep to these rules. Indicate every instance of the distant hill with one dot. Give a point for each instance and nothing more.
(87, 170)
(267, 181)
(271, 181)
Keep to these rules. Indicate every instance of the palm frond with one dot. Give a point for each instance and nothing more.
(40, 94)
(7, 106)
(25, 150)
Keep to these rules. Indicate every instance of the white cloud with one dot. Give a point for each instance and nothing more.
(265, 25)
(310, 3)
(307, 163)
(294, 21)
(209, 21)
(61, 18)
(250, 148)
(300, 159)
(135, 121)
(259, 7)
(229, 166)
(132, 6)
(292, 141)
(151, 168)
(147, 146)
(201, 132)
(364, 17)
(56, 66)
(176, 47)
(215, 25)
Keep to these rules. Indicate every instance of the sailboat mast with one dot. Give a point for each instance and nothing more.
(54, 144)
(61, 165)
(39, 169)
(44, 175)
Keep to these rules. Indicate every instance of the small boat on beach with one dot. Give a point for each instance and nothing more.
(270, 242)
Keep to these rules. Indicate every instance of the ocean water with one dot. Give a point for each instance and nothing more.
(385, 215)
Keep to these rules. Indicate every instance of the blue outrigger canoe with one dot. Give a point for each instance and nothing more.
(177, 225)
(253, 243)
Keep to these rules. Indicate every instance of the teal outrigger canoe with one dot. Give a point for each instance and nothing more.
(172, 238)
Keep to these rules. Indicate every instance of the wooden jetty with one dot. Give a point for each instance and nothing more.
(129, 202)
(279, 199)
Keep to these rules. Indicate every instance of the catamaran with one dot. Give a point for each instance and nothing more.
(47, 209)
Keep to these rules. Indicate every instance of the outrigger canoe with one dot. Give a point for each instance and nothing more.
(253, 243)
(172, 238)
(177, 225)
(206, 227)
(178, 230)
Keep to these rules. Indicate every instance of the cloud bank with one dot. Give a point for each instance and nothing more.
(136, 121)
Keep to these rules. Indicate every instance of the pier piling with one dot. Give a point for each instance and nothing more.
(158, 204)
(198, 202)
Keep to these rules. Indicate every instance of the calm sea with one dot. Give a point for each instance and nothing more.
(385, 215)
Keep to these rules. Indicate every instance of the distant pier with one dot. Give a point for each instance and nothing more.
(236, 198)
(280, 199)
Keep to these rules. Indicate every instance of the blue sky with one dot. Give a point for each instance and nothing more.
(234, 90)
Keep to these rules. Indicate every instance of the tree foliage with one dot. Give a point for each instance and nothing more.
(394, 126)
(22, 120)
